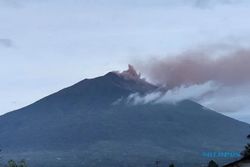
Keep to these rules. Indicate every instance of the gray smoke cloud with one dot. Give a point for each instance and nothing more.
(5, 42)
(210, 3)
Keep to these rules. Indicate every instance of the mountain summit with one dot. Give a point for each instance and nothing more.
(81, 126)
(131, 73)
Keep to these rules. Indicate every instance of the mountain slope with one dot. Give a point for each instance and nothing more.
(81, 125)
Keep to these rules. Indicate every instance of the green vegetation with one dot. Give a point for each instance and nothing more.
(246, 152)
(12, 163)
(212, 164)
(171, 165)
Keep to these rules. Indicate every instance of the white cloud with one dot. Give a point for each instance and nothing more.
(193, 92)
(231, 101)
(136, 98)
(177, 94)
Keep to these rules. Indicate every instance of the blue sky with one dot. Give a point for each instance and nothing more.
(48, 45)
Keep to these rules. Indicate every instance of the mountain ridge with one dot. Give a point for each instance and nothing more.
(81, 125)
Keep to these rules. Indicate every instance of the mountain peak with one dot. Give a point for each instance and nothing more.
(130, 74)
(82, 121)
(129, 79)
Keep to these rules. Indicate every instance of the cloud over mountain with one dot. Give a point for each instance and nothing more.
(192, 70)
(196, 67)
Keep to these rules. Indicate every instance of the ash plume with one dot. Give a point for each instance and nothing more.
(197, 67)
(212, 77)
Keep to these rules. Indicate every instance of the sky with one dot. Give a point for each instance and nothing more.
(46, 45)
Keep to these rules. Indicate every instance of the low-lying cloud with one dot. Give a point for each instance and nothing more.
(228, 99)
(193, 92)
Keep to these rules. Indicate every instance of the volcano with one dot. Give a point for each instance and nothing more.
(91, 124)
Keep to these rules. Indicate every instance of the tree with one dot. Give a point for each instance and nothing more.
(12, 163)
(246, 152)
(0, 158)
(171, 165)
(157, 163)
(22, 163)
(212, 164)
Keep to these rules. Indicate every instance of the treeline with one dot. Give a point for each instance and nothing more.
(245, 154)
(12, 163)
(210, 164)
